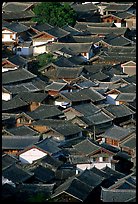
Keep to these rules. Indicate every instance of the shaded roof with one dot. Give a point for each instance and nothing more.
(75, 188)
(18, 15)
(17, 27)
(16, 174)
(113, 172)
(16, 6)
(18, 75)
(18, 60)
(18, 142)
(83, 25)
(48, 145)
(56, 86)
(42, 27)
(22, 131)
(117, 133)
(123, 15)
(130, 88)
(128, 97)
(13, 104)
(117, 195)
(106, 30)
(49, 161)
(71, 30)
(43, 174)
(86, 147)
(45, 111)
(32, 96)
(57, 32)
(23, 89)
(129, 143)
(97, 118)
(84, 7)
(79, 159)
(8, 160)
(118, 7)
(100, 76)
(119, 110)
(99, 172)
(86, 109)
(117, 40)
(90, 178)
(76, 47)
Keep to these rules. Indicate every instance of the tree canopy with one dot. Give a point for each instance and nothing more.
(55, 14)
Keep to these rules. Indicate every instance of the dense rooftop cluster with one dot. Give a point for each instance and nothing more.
(69, 126)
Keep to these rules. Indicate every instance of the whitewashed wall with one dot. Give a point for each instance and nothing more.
(6, 96)
(6, 36)
(31, 155)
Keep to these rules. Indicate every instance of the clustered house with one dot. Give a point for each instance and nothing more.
(69, 124)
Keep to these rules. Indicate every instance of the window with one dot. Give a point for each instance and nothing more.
(11, 36)
(115, 21)
(19, 49)
(105, 159)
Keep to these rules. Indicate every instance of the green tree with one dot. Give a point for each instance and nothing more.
(44, 59)
(55, 14)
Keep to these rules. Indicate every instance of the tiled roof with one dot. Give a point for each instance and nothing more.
(17, 75)
(45, 111)
(16, 174)
(18, 142)
(129, 97)
(117, 133)
(86, 147)
(22, 131)
(119, 110)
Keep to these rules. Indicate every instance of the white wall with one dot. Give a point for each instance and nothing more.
(31, 155)
(111, 98)
(6, 36)
(118, 25)
(25, 51)
(100, 165)
(5, 69)
(6, 96)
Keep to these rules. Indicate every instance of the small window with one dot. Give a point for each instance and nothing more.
(11, 36)
(19, 49)
(115, 21)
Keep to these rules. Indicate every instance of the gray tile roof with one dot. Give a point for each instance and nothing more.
(128, 97)
(84, 7)
(97, 118)
(57, 32)
(56, 86)
(129, 143)
(75, 188)
(106, 30)
(18, 60)
(18, 15)
(90, 178)
(119, 110)
(118, 7)
(18, 142)
(113, 172)
(13, 104)
(117, 133)
(8, 160)
(83, 25)
(43, 174)
(16, 174)
(86, 147)
(17, 27)
(18, 75)
(86, 109)
(21, 131)
(130, 88)
(33, 96)
(49, 161)
(16, 6)
(42, 27)
(48, 145)
(118, 195)
(45, 112)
